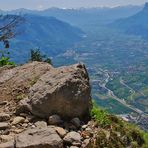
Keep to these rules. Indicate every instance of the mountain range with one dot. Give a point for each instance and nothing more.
(135, 25)
(55, 30)
(47, 33)
(84, 16)
(114, 58)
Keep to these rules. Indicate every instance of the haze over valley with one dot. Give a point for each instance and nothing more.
(112, 42)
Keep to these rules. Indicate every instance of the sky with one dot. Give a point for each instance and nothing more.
(44, 4)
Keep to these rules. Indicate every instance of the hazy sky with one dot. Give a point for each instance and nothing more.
(43, 4)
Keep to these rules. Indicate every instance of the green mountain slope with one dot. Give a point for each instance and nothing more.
(48, 33)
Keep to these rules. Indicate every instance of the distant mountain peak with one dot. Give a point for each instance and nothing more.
(146, 7)
(136, 24)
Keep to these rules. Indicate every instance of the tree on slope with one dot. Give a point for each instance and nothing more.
(8, 30)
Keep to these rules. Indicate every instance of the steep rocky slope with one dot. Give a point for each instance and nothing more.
(46, 107)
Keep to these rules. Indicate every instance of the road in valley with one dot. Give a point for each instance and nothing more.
(123, 83)
(120, 100)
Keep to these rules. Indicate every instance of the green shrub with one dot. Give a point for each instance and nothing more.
(5, 61)
(36, 55)
(118, 134)
(5, 58)
(20, 97)
(145, 136)
(101, 116)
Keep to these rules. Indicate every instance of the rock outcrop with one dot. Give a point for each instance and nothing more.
(64, 91)
(55, 94)
(16, 81)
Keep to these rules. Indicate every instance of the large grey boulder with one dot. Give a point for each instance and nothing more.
(16, 81)
(39, 138)
(64, 91)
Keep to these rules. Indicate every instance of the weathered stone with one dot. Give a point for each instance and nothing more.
(26, 121)
(41, 124)
(72, 137)
(84, 126)
(74, 147)
(39, 138)
(30, 118)
(20, 79)
(18, 120)
(88, 129)
(85, 134)
(54, 120)
(60, 131)
(4, 125)
(24, 125)
(76, 144)
(4, 117)
(64, 91)
(17, 131)
(3, 103)
(86, 143)
(9, 144)
(5, 132)
(6, 138)
(76, 122)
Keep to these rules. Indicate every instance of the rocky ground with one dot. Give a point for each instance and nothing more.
(28, 131)
(49, 90)
(46, 107)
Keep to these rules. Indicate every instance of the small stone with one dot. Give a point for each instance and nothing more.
(33, 126)
(74, 147)
(84, 126)
(9, 144)
(76, 144)
(4, 103)
(4, 125)
(76, 122)
(5, 132)
(18, 120)
(88, 129)
(6, 138)
(4, 117)
(87, 137)
(95, 124)
(87, 134)
(86, 143)
(23, 115)
(84, 134)
(17, 131)
(25, 125)
(30, 124)
(54, 120)
(60, 131)
(13, 126)
(26, 121)
(89, 123)
(41, 124)
(72, 137)
(30, 118)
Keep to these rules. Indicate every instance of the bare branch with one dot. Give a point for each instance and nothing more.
(8, 26)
